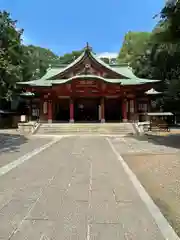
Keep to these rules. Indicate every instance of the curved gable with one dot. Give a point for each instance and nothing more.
(80, 62)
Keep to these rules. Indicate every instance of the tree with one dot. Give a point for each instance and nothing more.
(106, 60)
(70, 57)
(161, 61)
(19, 62)
(37, 60)
(156, 55)
(169, 25)
(133, 45)
(10, 56)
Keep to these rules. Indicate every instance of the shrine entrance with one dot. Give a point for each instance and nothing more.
(62, 110)
(113, 110)
(86, 109)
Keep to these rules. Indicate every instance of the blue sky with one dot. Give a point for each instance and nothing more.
(66, 25)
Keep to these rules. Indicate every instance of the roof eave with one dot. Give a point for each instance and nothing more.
(24, 83)
(105, 65)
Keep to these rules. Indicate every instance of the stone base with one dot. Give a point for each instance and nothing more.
(103, 121)
(71, 120)
(125, 120)
(26, 127)
(49, 120)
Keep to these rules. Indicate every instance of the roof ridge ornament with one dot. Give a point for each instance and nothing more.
(88, 47)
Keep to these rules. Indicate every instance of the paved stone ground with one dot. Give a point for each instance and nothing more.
(146, 145)
(13, 146)
(76, 189)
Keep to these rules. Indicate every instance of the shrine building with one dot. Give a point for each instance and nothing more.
(89, 90)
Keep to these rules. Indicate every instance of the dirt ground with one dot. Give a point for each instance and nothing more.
(160, 175)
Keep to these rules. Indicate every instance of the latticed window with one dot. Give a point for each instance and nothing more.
(142, 107)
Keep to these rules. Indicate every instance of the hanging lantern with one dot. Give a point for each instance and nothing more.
(153, 103)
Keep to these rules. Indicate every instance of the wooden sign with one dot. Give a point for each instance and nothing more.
(86, 83)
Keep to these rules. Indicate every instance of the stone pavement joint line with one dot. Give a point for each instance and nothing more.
(22, 221)
(5, 169)
(90, 193)
(162, 223)
(43, 237)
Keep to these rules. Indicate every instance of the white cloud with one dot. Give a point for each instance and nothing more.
(107, 55)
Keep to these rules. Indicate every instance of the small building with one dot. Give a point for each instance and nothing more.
(90, 90)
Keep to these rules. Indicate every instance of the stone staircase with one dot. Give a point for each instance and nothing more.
(122, 129)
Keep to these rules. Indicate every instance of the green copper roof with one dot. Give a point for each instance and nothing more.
(37, 83)
(101, 62)
(124, 70)
(137, 81)
(52, 72)
(125, 73)
(60, 81)
(50, 82)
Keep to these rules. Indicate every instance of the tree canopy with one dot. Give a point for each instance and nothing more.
(156, 55)
(17, 61)
(37, 60)
(11, 53)
(169, 24)
(70, 57)
(134, 44)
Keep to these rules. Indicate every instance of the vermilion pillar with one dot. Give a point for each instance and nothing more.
(71, 109)
(102, 110)
(124, 110)
(50, 111)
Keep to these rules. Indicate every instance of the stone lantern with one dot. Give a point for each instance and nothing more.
(28, 96)
(153, 94)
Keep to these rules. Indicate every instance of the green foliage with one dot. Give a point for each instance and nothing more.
(37, 60)
(19, 62)
(70, 57)
(106, 60)
(134, 44)
(156, 55)
(162, 61)
(169, 30)
(10, 56)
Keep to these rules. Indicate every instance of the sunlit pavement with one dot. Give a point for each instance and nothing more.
(76, 188)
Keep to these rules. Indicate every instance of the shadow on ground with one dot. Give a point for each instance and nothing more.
(11, 142)
(170, 140)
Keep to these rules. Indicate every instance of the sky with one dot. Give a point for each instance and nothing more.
(66, 25)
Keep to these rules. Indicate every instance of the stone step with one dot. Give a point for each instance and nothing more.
(68, 132)
(119, 129)
(81, 128)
